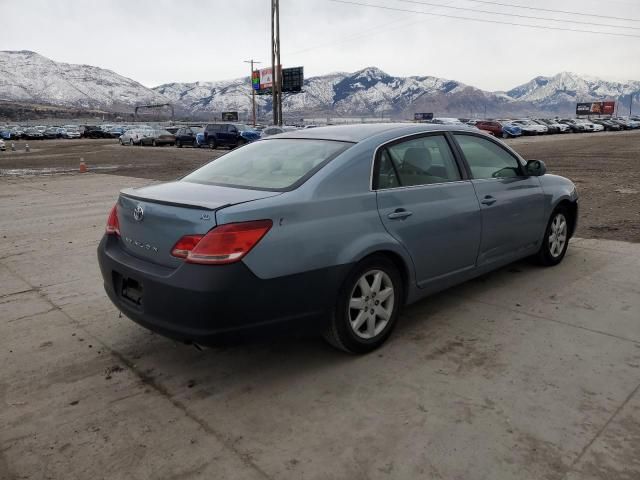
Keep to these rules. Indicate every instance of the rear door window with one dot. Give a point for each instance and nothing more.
(419, 161)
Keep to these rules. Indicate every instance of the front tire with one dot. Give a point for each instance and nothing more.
(556, 239)
(178, 144)
(367, 307)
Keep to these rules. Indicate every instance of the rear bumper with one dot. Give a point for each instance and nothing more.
(199, 302)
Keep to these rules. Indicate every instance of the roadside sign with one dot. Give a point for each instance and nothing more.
(229, 116)
(423, 116)
(595, 108)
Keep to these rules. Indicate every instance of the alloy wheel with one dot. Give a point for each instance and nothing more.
(371, 304)
(557, 235)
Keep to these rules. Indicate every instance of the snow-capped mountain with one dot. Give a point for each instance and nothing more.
(369, 91)
(26, 76)
(571, 87)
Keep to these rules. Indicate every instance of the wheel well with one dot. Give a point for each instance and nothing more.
(399, 262)
(572, 211)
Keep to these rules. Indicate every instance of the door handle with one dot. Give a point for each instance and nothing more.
(399, 214)
(488, 200)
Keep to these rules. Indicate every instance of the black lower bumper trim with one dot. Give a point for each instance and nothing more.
(199, 302)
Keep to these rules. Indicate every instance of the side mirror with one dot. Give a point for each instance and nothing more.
(536, 168)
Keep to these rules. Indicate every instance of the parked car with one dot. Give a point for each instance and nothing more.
(188, 136)
(157, 138)
(319, 226)
(71, 132)
(3, 146)
(230, 135)
(628, 123)
(133, 137)
(96, 132)
(529, 127)
(588, 126)
(608, 125)
(573, 125)
(33, 134)
(554, 125)
(52, 133)
(5, 134)
(275, 130)
(551, 128)
(115, 132)
(500, 129)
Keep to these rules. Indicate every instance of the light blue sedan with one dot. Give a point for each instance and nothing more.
(335, 228)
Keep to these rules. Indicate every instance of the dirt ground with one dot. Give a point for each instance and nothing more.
(604, 167)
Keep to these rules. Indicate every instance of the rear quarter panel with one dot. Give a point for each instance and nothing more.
(556, 189)
(330, 220)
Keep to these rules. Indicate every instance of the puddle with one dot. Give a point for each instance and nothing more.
(21, 172)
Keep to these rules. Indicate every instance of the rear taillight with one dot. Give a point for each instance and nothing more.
(223, 244)
(113, 226)
(185, 245)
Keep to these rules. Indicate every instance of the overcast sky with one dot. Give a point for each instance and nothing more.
(161, 41)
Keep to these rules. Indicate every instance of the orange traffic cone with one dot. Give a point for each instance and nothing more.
(83, 166)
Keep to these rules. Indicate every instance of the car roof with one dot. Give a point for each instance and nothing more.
(358, 133)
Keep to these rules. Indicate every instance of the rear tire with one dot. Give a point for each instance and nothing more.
(212, 144)
(556, 239)
(367, 306)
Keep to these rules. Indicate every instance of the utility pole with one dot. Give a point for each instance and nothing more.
(253, 91)
(275, 62)
(630, 104)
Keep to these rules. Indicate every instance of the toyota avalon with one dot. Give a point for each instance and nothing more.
(335, 228)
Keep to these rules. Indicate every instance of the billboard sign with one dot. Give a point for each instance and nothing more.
(608, 108)
(266, 78)
(255, 80)
(229, 116)
(423, 116)
(292, 79)
(595, 108)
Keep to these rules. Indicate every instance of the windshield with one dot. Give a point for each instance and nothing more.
(269, 165)
(242, 127)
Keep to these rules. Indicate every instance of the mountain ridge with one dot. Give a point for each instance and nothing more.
(27, 76)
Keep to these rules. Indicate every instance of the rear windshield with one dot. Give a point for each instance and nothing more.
(279, 164)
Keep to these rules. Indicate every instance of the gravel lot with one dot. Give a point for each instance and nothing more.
(525, 373)
(605, 167)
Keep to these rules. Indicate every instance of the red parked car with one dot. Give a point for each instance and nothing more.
(499, 129)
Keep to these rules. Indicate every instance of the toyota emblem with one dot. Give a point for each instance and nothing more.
(138, 213)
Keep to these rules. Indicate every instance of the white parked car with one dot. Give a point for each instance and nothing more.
(588, 126)
(70, 132)
(134, 137)
(529, 127)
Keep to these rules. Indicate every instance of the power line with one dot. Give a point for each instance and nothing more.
(366, 33)
(500, 22)
(510, 5)
(530, 17)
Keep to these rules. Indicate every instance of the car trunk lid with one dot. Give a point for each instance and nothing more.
(152, 219)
